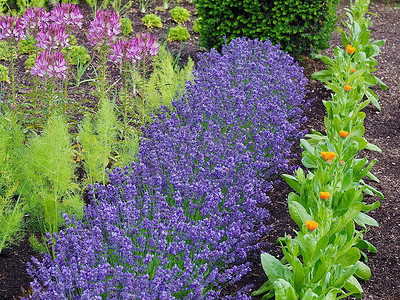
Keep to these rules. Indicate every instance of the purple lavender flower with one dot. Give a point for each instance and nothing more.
(35, 19)
(50, 64)
(11, 28)
(125, 50)
(105, 27)
(54, 36)
(68, 15)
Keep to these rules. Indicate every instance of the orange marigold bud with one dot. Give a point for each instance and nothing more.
(327, 155)
(324, 195)
(311, 225)
(353, 70)
(345, 83)
(343, 133)
(350, 49)
(347, 88)
(341, 162)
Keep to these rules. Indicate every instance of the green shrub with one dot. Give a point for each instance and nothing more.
(299, 26)
(178, 33)
(152, 20)
(4, 74)
(180, 14)
(26, 46)
(30, 62)
(196, 25)
(126, 26)
(73, 53)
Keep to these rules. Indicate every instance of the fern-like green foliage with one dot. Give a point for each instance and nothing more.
(98, 140)
(180, 14)
(128, 149)
(178, 33)
(11, 212)
(4, 74)
(47, 169)
(166, 81)
(152, 20)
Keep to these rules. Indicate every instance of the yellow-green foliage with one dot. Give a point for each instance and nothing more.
(126, 26)
(98, 139)
(11, 214)
(30, 62)
(73, 54)
(167, 82)
(178, 33)
(72, 40)
(196, 25)
(179, 14)
(47, 172)
(4, 74)
(24, 4)
(26, 46)
(152, 20)
(98, 4)
(6, 53)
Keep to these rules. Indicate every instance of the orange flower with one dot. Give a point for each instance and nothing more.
(329, 161)
(353, 70)
(343, 133)
(341, 162)
(327, 155)
(345, 83)
(350, 49)
(324, 195)
(347, 88)
(311, 225)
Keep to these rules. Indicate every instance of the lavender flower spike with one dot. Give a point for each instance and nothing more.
(11, 28)
(50, 64)
(104, 28)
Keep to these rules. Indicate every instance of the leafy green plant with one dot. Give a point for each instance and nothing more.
(144, 5)
(76, 54)
(24, 4)
(180, 14)
(126, 26)
(6, 52)
(98, 141)
(4, 74)
(152, 20)
(196, 25)
(178, 33)
(26, 46)
(47, 170)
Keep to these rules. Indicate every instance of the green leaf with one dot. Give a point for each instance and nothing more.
(292, 182)
(298, 274)
(372, 147)
(273, 268)
(363, 272)
(324, 76)
(263, 289)
(369, 207)
(298, 213)
(284, 290)
(353, 286)
(351, 257)
(363, 219)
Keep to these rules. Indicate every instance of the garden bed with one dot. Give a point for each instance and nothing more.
(382, 129)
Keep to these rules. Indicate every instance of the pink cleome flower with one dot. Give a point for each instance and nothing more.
(35, 19)
(68, 15)
(11, 28)
(104, 28)
(50, 64)
(53, 36)
(125, 50)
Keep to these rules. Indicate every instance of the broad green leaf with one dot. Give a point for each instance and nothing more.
(353, 286)
(292, 182)
(263, 289)
(298, 213)
(273, 268)
(363, 272)
(372, 147)
(349, 258)
(298, 274)
(369, 207)
(363, 219)
(284, 290)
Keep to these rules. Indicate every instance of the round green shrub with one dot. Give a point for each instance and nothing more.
(126, 26)
(6, 53)
(4, 74)
(178, 33)
(30, 62)
(26, 46)
(180, 14)
(72, 53)
(72, 40)
(152, 20)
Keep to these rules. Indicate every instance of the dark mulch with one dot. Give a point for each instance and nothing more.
(382, 129)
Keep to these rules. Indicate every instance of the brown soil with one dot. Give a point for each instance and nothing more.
(382, 129)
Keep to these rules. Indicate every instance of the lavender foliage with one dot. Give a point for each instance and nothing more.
(181, 222)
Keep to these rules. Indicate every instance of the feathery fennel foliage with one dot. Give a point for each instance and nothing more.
(166, 81)
(11, 212)
(48, 170)
(98, 140)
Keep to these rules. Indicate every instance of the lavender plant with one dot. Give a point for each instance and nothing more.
(180, 223)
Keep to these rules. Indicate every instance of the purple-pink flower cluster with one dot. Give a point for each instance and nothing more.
(105, 27)
(11, 28)
(54, 36)
(50, 64)
(34, 20)
(181, 222)
(68, 15)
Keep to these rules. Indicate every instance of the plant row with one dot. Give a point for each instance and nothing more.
(181, 222)
(324, 260)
